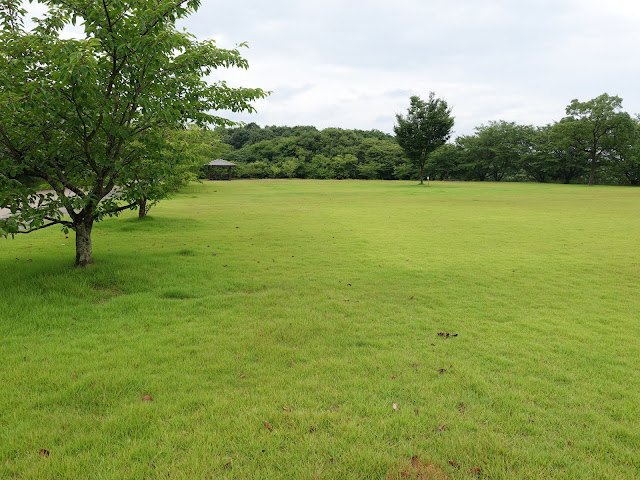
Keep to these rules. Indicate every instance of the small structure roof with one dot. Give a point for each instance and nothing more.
(221, 163)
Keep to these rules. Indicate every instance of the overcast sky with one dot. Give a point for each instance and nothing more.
(354, 64)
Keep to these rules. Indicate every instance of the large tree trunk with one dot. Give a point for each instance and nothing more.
(422, 174)
(142, 208)
(84, 254)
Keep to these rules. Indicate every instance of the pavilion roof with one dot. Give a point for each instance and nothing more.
(221, 163)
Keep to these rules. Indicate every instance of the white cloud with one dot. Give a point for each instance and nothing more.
(355, 64)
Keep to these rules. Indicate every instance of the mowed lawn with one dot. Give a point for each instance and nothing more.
(291, 329)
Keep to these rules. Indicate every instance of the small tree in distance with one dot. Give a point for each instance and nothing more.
(183, 157)
(426, 127)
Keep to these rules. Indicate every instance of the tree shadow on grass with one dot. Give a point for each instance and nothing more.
(152, 224)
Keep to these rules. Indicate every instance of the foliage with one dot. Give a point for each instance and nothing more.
(541, 162)
(598, 128)
(628, 163)
(594, 138)
(497, 151)
(426, 127)
(305, 152)
(183, 155)
(90, 117)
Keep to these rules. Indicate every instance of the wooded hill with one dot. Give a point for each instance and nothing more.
(595, 142)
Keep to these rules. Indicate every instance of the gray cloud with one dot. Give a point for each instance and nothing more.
(355, 64)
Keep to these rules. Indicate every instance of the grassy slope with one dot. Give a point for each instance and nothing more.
(238, 299)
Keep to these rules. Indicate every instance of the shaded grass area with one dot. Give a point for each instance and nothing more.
(315, 306)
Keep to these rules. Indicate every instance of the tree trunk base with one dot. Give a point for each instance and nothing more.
(142, 208)
(84, 254)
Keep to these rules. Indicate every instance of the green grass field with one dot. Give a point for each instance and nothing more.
(315, 306)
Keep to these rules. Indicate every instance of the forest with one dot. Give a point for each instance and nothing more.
(595, 143)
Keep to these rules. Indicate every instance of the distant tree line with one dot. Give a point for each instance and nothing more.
(595, 142)
(306, 152)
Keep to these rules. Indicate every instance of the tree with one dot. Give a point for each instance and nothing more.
(497, 148)
(444, 163)
(84, 116)
(426, 127)
(628, 164)
(183, 157)
(539, 162)
(598, 128)
(378, 157)
(569, 157)
(471, 166)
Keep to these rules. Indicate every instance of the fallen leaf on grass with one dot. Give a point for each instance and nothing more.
(268, 425)
(476, 471)
(152, 465)
(243, 376)
(227, 465)
(416, 411)
(447, 334)
(147, 398)
(393, 377)
(442, 370)
(396, 406)
(286, 409)
(442, 427)
(44, 452)
(8, 461)
(454, 464)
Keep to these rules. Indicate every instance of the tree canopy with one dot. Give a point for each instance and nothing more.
(426, 127)
(598, 127)
(306, 152)
(88, 117)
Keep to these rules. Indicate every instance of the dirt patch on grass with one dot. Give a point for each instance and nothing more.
(417, 469)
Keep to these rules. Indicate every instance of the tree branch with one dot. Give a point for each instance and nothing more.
(53, 222)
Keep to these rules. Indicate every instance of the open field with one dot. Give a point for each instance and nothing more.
(276, 324)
